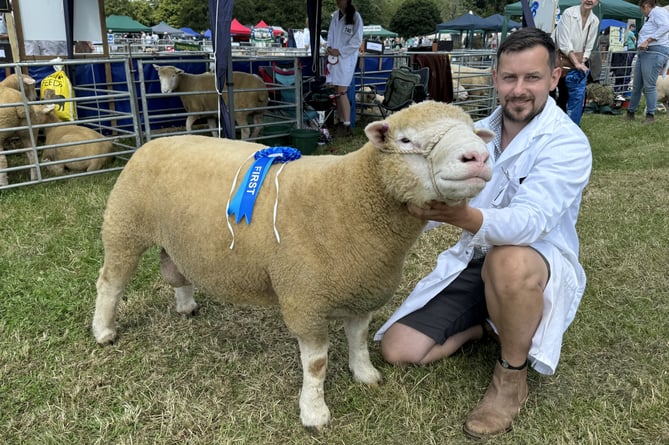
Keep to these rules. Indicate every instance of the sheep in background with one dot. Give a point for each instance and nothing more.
(369, 99)
(340, 254)
(459, 92)
(17, 114)
(12, 81)
(662, 87)
(75, 135)
(173, 79)
(475, 81)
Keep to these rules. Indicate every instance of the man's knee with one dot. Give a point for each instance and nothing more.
(512, 268)
(399, 345)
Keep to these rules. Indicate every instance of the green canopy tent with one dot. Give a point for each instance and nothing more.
(606, 9)
(122, 23)
(377, 31)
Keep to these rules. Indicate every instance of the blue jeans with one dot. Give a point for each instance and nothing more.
(649, 63)
(576, 84)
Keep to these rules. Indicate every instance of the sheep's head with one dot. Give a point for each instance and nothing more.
(366, 95)
(459, 92)
(438, 143)
(169, 77)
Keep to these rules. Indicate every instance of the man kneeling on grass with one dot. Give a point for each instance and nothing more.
(515, 273)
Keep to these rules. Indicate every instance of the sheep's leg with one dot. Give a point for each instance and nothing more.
(183, 289)
(213, 125)
(356, 329)
(314, 413)
(258, 119)
(190, 120)
(32, 158)
(114, 275)
(3, 164)
(243, 120)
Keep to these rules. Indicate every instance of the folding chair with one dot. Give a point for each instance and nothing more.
(403, 88)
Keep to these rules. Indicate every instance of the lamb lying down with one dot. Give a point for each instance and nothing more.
(343, 224)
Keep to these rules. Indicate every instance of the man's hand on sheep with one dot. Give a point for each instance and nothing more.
(459, 214)
(343, 220)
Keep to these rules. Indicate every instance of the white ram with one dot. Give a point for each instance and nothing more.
(343, 223)
(12, 81)
(14, 114)
(250, 97)
(83, 142)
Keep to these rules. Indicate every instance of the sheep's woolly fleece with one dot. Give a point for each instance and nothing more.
(345, 229)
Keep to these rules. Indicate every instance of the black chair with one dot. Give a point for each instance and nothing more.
(403, 88)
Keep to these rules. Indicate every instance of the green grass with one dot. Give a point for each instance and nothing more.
(231, 375)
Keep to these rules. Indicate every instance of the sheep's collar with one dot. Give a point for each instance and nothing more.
(244, 200)
(425, 152)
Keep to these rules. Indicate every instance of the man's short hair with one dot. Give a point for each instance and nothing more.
(527, 38)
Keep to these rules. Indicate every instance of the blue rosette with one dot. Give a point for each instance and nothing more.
(242, 204)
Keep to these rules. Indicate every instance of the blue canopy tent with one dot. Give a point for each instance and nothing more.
(164, 28)
(496, 23)
(190, 32)
(607, 23)
(466, 22)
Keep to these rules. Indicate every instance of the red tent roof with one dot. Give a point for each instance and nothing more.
(277, 31)
(238, 28)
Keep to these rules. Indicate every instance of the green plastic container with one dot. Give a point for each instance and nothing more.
(276, 135)
(306, 140)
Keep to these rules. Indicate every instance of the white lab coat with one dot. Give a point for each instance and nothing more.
(551, 157)
(347, 39)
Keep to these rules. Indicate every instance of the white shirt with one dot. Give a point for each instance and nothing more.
(533, 200)
(570, 36)
(656, 27)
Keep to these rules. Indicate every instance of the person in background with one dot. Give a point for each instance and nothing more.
(653, 45)
(631, 37)
(514, 275)
(343, 45)
(575, 35)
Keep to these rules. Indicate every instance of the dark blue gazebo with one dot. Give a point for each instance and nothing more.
(466, 22)
(496, 22)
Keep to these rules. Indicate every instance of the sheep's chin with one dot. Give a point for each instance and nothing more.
(457, 190)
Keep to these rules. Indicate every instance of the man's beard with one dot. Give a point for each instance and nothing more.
(510, 115)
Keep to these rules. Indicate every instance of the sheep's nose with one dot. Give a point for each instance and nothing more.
(478, 157)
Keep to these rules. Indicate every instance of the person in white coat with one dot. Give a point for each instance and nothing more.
(515, 272)
(343, 45)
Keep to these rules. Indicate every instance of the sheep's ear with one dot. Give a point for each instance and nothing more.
(46, 109)
(179, 70)
(376, 132)
(484, 134)
(28, 80)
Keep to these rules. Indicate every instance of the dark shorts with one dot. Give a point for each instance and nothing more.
(459, 306)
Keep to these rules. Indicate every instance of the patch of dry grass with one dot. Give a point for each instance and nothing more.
(231, 375)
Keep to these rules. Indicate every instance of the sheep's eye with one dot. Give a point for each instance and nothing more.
(405, 140)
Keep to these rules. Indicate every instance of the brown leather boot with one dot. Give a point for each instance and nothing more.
(505, 396)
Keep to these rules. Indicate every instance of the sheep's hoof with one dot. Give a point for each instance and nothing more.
(315, 419)
(368, 376)
(189, 309)
(105, 337)
(315, 430)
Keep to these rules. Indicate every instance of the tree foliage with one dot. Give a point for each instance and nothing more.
(406, 17)
(416, 18)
